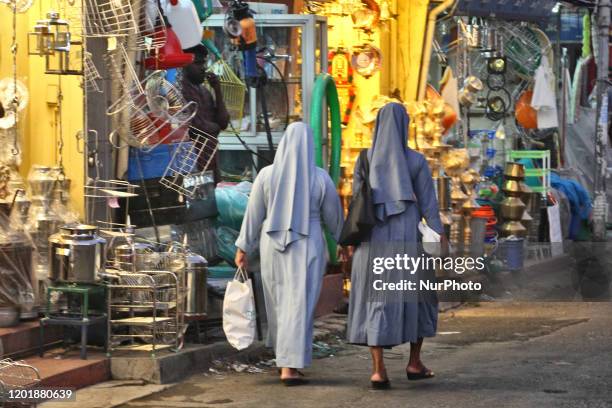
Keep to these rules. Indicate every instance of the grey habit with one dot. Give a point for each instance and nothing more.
(403, 193)
(288, 201)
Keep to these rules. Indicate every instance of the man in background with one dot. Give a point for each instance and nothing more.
(212, 116)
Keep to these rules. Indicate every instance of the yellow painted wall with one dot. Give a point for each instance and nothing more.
(411, 23)
(38, 131)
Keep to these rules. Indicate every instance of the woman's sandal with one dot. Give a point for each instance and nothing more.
(424, 374)
(381, 385)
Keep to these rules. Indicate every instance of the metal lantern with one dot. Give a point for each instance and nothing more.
(69, 62)
(40, 41)
(50, 35)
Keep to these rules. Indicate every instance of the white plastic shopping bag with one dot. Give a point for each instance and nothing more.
(239, 311)
(431, 240)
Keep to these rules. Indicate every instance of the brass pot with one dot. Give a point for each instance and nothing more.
(512, 208)
(514, 170)
(513, 228)
(512, 188)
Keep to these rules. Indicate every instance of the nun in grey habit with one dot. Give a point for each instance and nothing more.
(403, 194)
(288, 203)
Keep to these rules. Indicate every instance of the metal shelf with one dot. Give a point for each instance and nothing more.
(142, 321)
(158, 305)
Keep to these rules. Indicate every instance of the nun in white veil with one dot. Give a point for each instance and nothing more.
(289, 202)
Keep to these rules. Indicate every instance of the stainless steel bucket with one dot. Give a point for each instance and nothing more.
(76, 254)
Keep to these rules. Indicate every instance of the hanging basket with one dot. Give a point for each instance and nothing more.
(233, 90)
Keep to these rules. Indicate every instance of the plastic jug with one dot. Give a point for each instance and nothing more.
(183, 17)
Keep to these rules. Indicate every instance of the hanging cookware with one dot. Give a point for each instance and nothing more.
(41, 181)
(473, 84)
(524, 113)
(76, 254)
(367, 60)
(366, 18)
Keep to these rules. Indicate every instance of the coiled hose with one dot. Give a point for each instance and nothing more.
(325, 91)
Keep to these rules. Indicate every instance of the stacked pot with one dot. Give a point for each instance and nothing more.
(512, 207)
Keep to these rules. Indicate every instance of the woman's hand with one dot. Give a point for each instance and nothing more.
(241, 259)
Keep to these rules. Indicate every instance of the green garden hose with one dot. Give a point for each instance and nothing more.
(325, 90)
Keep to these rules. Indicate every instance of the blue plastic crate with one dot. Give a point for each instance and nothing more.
(155, 162)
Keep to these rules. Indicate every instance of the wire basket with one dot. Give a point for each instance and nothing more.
(144, 25)
(233, 90)
(524, 47)
(16, 375)
(91, 75)
(156, 109)
(199, 154)
(110, 189)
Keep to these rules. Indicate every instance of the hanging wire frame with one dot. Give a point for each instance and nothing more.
(233, 90)
(155, 108)
(91, 75)
(110, 189)
(198, 154)
(523, 46)
(144, 25)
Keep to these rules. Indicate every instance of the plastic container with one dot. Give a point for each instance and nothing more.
(183, 18)
(155, 162)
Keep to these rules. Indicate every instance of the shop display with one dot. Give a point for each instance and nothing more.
(512, 208)
(477, 89)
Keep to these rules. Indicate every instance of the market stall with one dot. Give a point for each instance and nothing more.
(131, 131)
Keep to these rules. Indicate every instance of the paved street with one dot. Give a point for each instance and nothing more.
(489, 355)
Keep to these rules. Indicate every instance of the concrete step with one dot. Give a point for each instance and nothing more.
(65, 369)
(168, 366)
(23, 340)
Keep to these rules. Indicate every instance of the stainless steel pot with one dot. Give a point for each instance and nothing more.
(42, 181)
(76, 254)
(127, 256)
(9, 316)
(196, 275)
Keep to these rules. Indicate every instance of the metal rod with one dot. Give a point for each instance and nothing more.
(600, 207)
